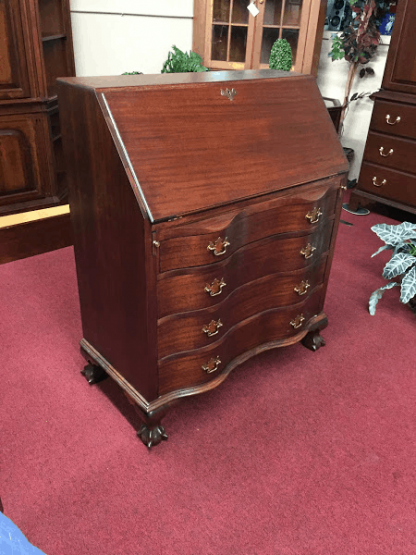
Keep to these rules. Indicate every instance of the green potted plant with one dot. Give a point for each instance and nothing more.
(182, 62)
(281, 55)
(401, 239)
(358, 41)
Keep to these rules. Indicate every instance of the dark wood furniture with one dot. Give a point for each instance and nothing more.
(35, 48)
(228, 36)
(204, 209)
(388, 172)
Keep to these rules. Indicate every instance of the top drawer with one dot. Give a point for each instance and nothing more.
(214, 239)
(394, 118)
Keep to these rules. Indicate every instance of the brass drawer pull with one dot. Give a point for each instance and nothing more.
(381, 151)
(212, 328)
(398, 120)
(211, 365)
(216, 287)
(298, 321)
(302, 288)
(307, 251)
(219, 247)
(314, 215)
(379, 184)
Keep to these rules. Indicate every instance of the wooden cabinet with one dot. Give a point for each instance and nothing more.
(35, 48)
(388, 172)
(204, 209)
(228, 36)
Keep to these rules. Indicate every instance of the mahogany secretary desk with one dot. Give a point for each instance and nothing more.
(205, 208)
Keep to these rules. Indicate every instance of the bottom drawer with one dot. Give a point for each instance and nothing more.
(179, 372)
(387, 183)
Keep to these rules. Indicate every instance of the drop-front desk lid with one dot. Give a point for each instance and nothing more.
(193, 141)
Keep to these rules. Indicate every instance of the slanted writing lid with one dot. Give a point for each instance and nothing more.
(192, 146)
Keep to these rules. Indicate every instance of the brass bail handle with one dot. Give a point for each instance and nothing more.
(213, 327)
(397, 120)
(381, 151)
(298, 321)
(219, 247)
(216, 287)
(314, 215)
(378, 184)
(212, 365)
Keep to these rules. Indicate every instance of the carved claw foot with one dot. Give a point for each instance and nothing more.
(313, 340)
(93, 374)
(152, 436)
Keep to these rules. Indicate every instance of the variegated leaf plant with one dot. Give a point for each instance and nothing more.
(401, 239)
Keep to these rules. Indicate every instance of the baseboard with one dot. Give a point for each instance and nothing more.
(35, 232)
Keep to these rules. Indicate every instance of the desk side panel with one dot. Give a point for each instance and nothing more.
(114, 268)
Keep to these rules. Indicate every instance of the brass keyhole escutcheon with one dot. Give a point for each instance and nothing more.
(212, 328)
(216, 287)
(298, 321)
(212, 365)
(219, 247)
(308, 251)
(230, 94)
(314, 215)
(302, 288)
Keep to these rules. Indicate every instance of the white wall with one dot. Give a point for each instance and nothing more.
(109, 43)
(332, 77)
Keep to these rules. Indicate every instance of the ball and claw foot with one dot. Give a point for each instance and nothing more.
(313, 340)
(152, 436)
(93, 374)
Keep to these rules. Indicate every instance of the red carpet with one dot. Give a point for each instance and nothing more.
(298, 453)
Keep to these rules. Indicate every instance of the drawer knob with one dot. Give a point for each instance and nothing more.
(219, 247)
(307, 251)
(397, 120)
(212, 328)
(211, 365)
(302, 288)
(379, 184)
(381, 151)
(298, 321)
(314, 215)
(216, 287)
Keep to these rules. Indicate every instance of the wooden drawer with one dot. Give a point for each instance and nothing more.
(184, 290)
(398, 153)
(402, 118)
(202, 242)
(178, 372)
(185, 332)
(390, 184)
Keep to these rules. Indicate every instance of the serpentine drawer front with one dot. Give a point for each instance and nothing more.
(204, 225)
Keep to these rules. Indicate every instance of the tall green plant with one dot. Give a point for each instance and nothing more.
(359, 41)
(182, 62)
(281, 55)
(401, 239)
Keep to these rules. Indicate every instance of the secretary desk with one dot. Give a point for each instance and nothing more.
(204, 208)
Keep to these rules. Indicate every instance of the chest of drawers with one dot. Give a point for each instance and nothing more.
(388, 172)
(204, 210)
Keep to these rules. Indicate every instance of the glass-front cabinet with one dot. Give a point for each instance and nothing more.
(239, 34)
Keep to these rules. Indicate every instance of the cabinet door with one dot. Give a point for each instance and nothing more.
(400, 72)
(14, 77)
(25, 168)
(300, 22)
(229, 34)
(235, 39)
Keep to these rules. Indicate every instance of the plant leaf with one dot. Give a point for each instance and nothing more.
(383, 248)
(398, 264)
(376, 296)
(408, 290)
(395, 234)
